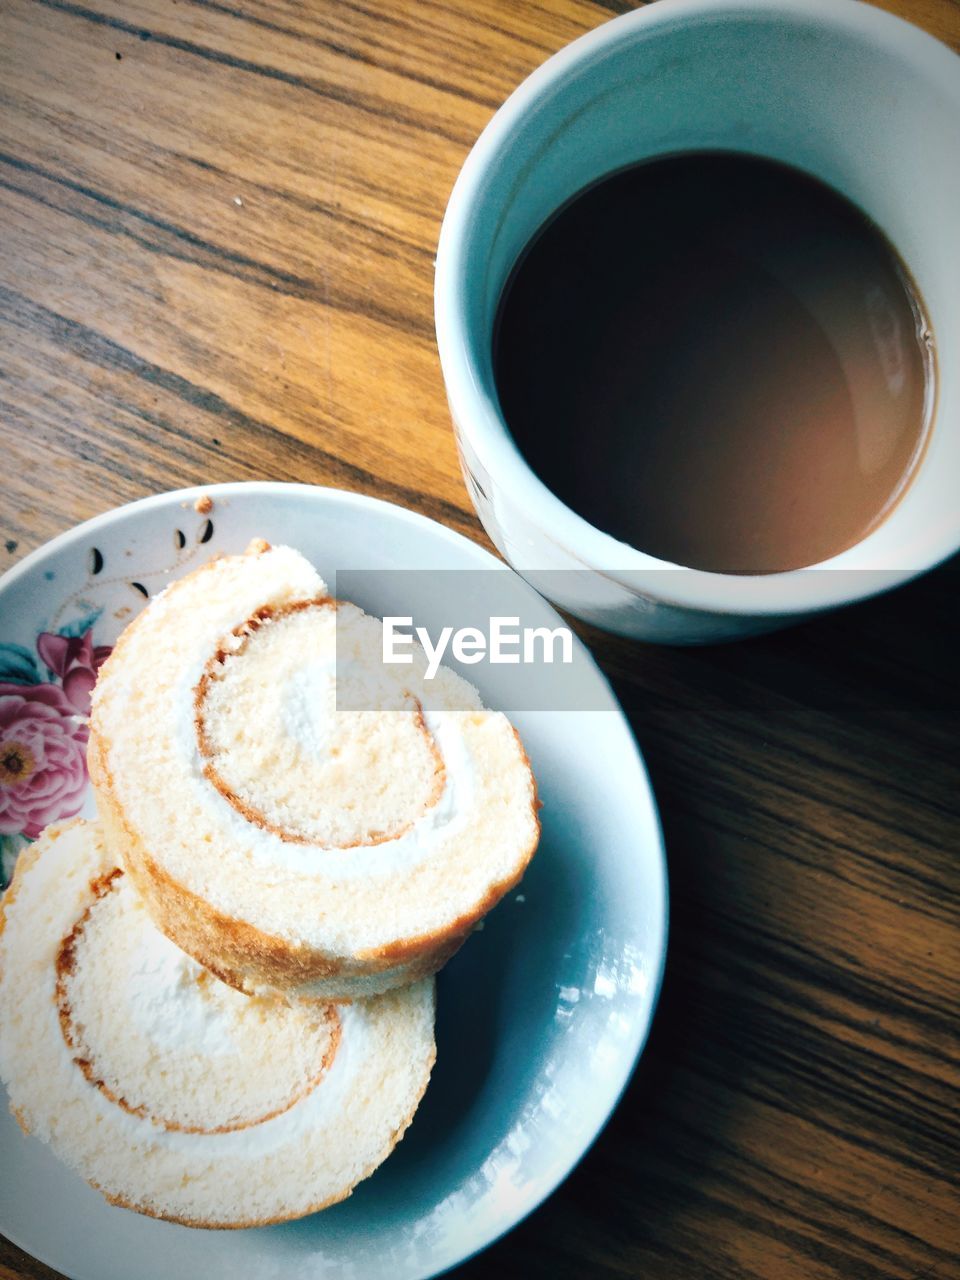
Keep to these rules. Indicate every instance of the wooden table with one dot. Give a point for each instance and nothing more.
(216, 261)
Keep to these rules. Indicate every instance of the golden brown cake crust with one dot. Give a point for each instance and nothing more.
(239, 953)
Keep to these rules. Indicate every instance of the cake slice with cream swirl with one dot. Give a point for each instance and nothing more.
(171, 1092)
(286, 839)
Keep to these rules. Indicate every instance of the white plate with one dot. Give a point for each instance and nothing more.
(541, 1016)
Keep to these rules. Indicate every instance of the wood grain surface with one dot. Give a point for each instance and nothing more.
(217, 229)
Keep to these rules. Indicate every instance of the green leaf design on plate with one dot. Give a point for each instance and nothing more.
(79, 626)
(10, 847)
(18, 665)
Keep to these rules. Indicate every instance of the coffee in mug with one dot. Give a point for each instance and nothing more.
(719, 360)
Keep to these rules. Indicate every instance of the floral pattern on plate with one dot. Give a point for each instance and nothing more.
(44, 704)
(45, 687)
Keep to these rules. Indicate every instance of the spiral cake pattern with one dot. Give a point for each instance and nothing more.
(297, 815)
(169, 1091)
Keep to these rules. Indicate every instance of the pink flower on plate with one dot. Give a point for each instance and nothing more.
(43, 767)
(75, 660)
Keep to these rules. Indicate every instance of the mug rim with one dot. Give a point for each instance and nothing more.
(478, 416)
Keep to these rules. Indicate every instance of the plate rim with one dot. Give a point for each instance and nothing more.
(283, 488)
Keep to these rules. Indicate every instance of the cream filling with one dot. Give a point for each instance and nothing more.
(312, 1154)
(163, 1002)
(319, 1109)
(424, 839)
(314, 689)
(49, 903)
(169, 1023)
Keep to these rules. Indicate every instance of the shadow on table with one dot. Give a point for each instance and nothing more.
(765, 757)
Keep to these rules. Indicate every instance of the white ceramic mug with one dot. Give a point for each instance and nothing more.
(860, 99)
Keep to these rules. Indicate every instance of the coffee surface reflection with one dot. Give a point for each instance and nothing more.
(719, 360)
